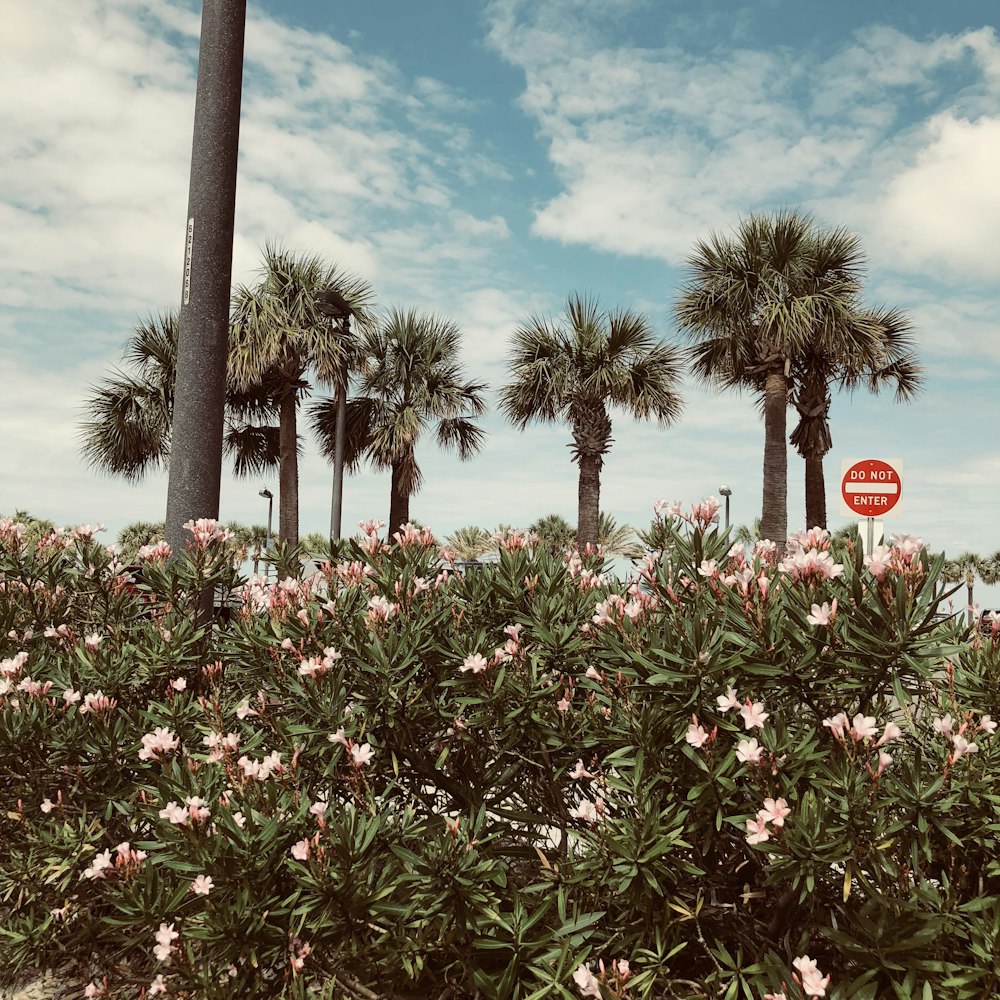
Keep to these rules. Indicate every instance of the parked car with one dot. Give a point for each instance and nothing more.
(989, 621)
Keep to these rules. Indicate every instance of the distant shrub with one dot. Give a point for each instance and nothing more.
(735, 775)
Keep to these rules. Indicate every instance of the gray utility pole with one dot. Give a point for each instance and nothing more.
(203, 339)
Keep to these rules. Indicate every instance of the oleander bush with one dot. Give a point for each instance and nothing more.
(742, 773)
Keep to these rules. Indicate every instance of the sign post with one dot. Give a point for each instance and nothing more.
(871, 488)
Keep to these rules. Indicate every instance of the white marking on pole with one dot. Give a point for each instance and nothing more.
(188, 253)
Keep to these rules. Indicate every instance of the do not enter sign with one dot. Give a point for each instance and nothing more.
(871, 488)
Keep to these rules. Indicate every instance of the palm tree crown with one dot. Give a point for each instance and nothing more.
(409, 378)
(755, 303)
(576, 370)
(129, 415)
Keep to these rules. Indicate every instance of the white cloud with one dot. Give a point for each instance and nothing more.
(655, 147)
(943, 210)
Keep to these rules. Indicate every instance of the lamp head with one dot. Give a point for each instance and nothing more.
(725, 491)
(266, 494)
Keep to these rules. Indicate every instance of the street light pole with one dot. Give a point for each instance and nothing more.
(266, 493)
(195, 480)
(727, 493)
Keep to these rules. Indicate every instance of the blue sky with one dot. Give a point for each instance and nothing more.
(483, 160)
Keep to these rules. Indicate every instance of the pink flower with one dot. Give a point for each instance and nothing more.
(580, 771)
(696, 734)
(475, 662)
(987, 725)
(864, 728)
(728, 701)
(47, 805)
(884, 760)
(749, 751)
(775, 811)
(318, 808)
(165, 937)
(813, 982)
(961, 747)
(879, 562)
(174, 813)
(71, 697)
(179, 683)
(587, 983)
(93, 640)
(593, 674)
(753, 714)
(361, 755)
(300, 851)
(757, 831)
(823, 615)
(157, 986)
(338, 737)
(838, 725)
(709, 569)
(202, 885)
(943, 725)
(891, 732)
(586, 810)
(379, 609)
(563, 703)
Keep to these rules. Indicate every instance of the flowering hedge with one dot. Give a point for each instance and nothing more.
(738, 774)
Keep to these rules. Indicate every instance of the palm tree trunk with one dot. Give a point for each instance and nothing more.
(588, 500)
(288, 471)
(815, 492)
(774, 515)
(399, 501)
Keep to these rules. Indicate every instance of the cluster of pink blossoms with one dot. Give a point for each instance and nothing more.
(165, 938)
(512, 649)
(205, 531)
(97, 703)
(125, 862)
(361, 755)
(159, 552)
(960, 743)
(773, 812)
(589, 985)
(157, 743)
(898, 558)
(812, 981)
(513, 540)
(261, 770)
(381, 610)
(194, 812)
(410, 535)
(864, 729)
(219, 746)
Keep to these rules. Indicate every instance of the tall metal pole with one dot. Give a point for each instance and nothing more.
(203, 340)
(337, 500)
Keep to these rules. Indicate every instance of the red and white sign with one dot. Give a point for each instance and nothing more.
(871, 488)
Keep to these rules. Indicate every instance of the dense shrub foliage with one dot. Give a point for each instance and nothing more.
(738, 774)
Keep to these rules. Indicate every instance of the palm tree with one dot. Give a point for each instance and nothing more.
(575, 371)
(755, 303)
(279, 332)
(409, 377)
(874, 363)
(469, 543)
(617, 539)
(554, 532)
(967, 567)
(129, 415)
